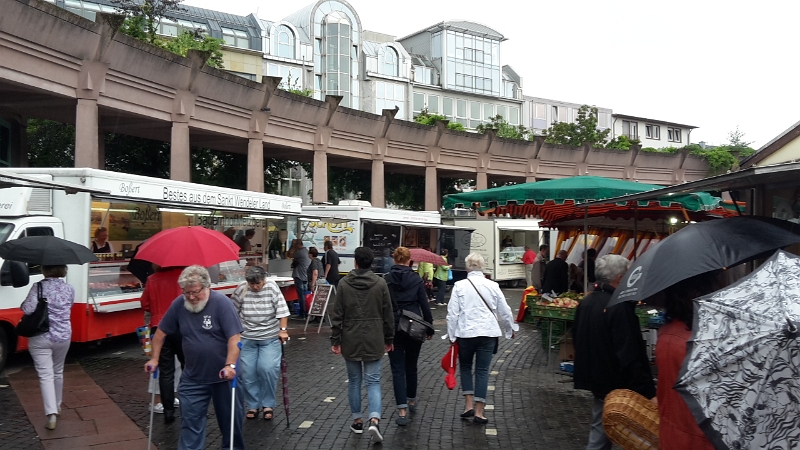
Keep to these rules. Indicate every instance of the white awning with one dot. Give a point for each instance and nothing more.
(437, 226)
(10, 179)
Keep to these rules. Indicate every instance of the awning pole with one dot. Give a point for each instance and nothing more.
(635, 228)
(585, 249)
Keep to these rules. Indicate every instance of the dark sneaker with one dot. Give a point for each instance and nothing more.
(357, 427)
(375, 431)
(402, 420)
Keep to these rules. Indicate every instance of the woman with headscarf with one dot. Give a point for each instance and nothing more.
(49, 349)
(476, 305)
(264, 315)
(408, 293)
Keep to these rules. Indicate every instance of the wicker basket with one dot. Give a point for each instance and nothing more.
(630, 420)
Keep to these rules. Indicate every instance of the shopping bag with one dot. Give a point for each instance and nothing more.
(143, 333)
(449, 361)
(449, 275)
(309, 300)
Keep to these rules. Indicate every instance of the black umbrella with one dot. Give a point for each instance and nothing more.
(46, 250)
(285, 384)
(696, 249)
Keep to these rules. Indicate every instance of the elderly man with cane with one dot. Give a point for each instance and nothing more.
(210, 327)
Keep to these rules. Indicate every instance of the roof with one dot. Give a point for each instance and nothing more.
(473, 28)
(643, 119)
(772, 146)
(301, 18)
(219, 16)
(774, 175)
(507, 70)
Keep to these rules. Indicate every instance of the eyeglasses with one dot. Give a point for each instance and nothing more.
(193, 293)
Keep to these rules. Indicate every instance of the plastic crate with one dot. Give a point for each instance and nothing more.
(548, 340)
(644, 316)
(568, 367)
(552, 312)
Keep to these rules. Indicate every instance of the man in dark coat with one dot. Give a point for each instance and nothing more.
(556, 275)
(362, 329)
(609, 350)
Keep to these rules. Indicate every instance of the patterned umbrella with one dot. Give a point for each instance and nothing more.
(741, 375)
(285, 384)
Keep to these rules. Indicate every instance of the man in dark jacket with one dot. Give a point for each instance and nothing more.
(362, 329)
(609, 350)
(556, 275)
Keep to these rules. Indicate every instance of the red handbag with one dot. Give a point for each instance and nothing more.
(449, 365)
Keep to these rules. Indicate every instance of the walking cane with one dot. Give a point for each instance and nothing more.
(233, 395)
(152, 404)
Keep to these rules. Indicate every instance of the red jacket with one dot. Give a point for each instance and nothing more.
(677, 428)
(160, 291)
(528, 257)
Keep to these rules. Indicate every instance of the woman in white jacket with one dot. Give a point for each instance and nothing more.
(476, 305)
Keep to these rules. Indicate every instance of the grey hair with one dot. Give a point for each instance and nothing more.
(609, 267)
(194, 275)
(255, 274)
(474, 261)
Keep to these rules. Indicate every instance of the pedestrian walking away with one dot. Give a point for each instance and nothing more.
(476, 305)
(264, 316)
(49, 349)
(537, 270)
(609, 350)
(209, 325)
(408, 294)
(440, 274)
(362, 329)
(300, 264)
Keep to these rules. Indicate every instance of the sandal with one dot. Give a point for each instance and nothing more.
(251, 413)
(268, 413)
(467, 414)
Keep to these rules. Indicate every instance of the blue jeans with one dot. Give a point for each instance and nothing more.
(479, 348)
(259, 367)
(301, 287)
(194, 410)
(372, 374)
(404, 369)
(597, 434)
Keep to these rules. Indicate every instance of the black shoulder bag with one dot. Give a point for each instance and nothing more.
(412, 324)
(38, 321)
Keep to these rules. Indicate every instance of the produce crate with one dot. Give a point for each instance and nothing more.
(559, 328)
(552, 312)
(644, 316)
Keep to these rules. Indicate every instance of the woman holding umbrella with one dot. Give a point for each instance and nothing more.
(264, 315)
(49, 349)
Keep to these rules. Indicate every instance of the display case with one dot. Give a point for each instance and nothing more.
(107, 278)
(230, 272)
(512, 255)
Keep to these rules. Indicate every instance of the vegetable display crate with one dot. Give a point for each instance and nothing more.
(550, 339)
(645, 317)
(552, 312)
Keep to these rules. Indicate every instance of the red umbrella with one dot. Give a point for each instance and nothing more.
(185, 246)
(422, 255)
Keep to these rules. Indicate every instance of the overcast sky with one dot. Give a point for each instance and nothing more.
(709, 63)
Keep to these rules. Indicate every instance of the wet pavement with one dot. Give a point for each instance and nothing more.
(530, 405)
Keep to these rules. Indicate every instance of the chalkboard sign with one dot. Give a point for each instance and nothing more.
(382, 240)
(320, 303)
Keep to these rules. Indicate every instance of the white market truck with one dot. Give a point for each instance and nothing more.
(134, 208)
(502, 243)
(355, 223)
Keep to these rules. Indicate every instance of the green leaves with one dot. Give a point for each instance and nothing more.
(505, 130)
(584, 129)
(427, 118)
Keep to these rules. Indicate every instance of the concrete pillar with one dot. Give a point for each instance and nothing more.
(481, 180)
(86, 134)
(431, 189)
(255, 165)
(320, 186)
(180, 160)
(378, 198)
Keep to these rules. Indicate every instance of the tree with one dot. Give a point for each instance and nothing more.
(343, 181)
(427, 118)
(505, 130)
(736, 139)
(294, 86)
(195, 40)
(584, 129)
(147, 14)
(51, 144)
(621, 142)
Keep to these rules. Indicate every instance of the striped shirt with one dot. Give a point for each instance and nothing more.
(260, 312)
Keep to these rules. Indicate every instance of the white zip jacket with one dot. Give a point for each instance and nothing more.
(468, 316)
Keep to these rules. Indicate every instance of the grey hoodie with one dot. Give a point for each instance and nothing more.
(362, 321)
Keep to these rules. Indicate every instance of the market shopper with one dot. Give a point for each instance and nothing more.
(556, 275)
(407, 293)
(264, 316)
(160, 292)
(211, 331)
(331, 261)
(315, 269)
(609, 350)
(537, 271)
(440, 274)
(300, 262)
(49, 349)
(243, 241)
(425, 271)
(362, 329)
(677, 428)
(528, 258)
(476, 305)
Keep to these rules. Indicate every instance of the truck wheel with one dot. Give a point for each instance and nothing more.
(3, 348)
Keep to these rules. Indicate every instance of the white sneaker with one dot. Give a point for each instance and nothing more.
(375, 431)
(177, 403)
(51, 422)
(158, 409)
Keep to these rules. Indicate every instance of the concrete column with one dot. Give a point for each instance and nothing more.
(320, 186)
(86, 134)
(255, 165)
(481, 181)
(180, 161)
(378, 198)
(431, 189)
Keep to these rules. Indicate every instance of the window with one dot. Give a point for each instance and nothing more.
(501, 111)
(674, 134)
(339, 57)
(461, 112)
(488, 111)
(562, 114)
(447, 107)
(291, 75)
(389, 95)
(554, 113)
(423, 74)
(419, 102)
(513, 115)
(87, 10)
(5, 145)
(652, 131)
(433, 104)
(284, 42)
(539, 111)
(235, 38)
(471, 64)
(630, 129)
(249, 76)
(390, 62)
(602, 120)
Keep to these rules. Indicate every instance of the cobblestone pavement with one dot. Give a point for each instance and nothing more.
(530, 405)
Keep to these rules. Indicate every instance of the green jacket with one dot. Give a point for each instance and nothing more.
(425, 268)
(362, 321)
(441, 271)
